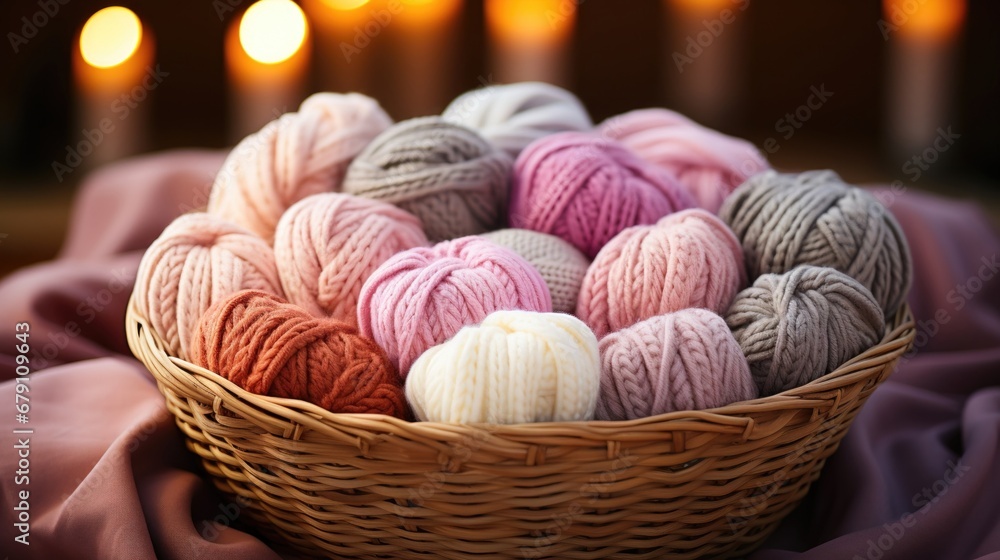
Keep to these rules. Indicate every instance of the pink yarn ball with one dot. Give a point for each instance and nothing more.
(586, 189)
(709, 164)
(328, 244)
(687, 259)
(297, 155)
(687, 360)
(421, 297)
(199, 259)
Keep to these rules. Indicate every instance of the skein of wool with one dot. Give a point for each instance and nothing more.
(328, 244)
(800, 325)
(515, 367)
(270, 347)
(687, 259)
(686, 360)
(586, 189)
(784, 220)
(294, 156)
(709, 164)
(199, 259)
(512, 116)
(421, 297)
(561, 265)
(446, 175)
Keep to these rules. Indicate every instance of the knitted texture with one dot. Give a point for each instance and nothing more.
(270, 347)
(707, 163)
(327, 245)
(586, 189)
(687, 259)
(446, 175)
(514, 115)
(516, 367)
(686, 360)
(297, 155)
(800, 325)
(784, 220)
(561, 265)
(199, 259)
(423, 296)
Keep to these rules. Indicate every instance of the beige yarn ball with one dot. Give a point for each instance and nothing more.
(561, 265)
(515, 367)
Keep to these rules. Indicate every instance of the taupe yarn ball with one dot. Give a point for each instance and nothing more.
(800, 325)
(445, 174)
(785, 220)
(561, 265)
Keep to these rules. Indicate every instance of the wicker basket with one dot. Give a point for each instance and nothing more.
(679, 485)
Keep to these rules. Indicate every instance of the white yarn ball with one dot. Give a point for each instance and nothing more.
(512, 116)
(515, 367)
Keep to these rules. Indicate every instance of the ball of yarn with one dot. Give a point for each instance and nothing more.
(297, 155)
(328, 244)
(800, 325)
(687, 259)
(446, 175)
(784, 220)
(270, 347)
(199, 259)
(512, 116)
(686, 360)
(421, 297)
(586, 189)
(515, 367)
(707, 163)
(561, 265)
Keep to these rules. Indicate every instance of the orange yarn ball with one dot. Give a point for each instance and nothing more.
(271, 347)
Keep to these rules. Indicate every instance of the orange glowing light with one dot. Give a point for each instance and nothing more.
(272, 31)
(706, 6)
(530, 21)
(110, 37)
(345, 5)
(934, 19)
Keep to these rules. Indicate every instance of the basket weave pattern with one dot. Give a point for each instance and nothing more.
(679, 485)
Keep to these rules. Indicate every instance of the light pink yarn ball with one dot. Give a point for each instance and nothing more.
(709, 164)
(199, 259)
(687, 360)
(687, 259)
(328, 244)
(297, 155)
(421, 297)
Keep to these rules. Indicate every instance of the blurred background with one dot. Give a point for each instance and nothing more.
(901, 92)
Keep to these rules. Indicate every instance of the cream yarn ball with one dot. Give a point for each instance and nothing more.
(515, 367)
(561, 265)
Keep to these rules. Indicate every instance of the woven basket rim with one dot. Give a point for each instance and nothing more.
(735, 417)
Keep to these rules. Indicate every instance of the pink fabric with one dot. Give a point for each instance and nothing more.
(111, 477)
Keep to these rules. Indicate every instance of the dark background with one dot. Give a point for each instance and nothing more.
(620, 60)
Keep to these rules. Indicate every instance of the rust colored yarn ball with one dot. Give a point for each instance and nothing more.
(271, 347)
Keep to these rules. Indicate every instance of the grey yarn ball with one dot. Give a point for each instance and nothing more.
(561, 265)
(800, 325)
(785, 220)
(445, 174)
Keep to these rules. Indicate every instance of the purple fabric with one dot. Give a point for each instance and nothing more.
(916, 476)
